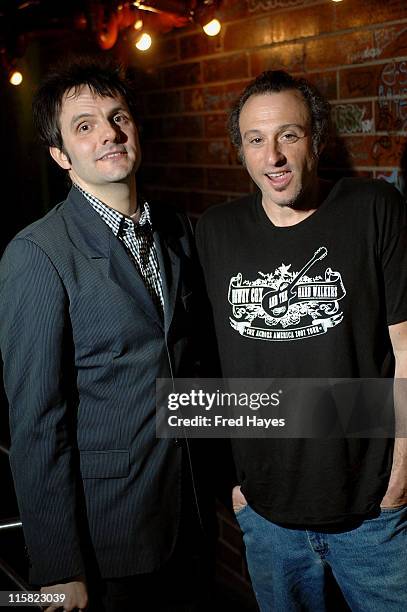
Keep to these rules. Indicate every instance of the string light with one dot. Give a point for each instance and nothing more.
(138, 24)
(144, 42)
(16, 78)
(212, 28)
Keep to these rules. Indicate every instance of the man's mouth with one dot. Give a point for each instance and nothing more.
(280, 178)
(113, 155)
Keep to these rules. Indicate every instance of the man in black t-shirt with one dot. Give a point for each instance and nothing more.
(309, 280)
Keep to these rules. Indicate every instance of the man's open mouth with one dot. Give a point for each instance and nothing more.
(113, 155)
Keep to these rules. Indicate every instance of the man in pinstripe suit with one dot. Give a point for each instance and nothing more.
(96, 303)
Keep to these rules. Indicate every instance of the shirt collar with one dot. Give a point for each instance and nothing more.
(114, 219)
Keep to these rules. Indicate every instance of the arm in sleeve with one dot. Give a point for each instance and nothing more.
(396, 494)
(37, 351)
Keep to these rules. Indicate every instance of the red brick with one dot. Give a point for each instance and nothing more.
(287, 57)
(181, 127)
(145, 78)
(249, 34)
(325, 82)
(194, 99)
(215, 125)
(182, 74)
(197, 202)
(159, 104)
(222, 152)
(225, 68)
(334, 174)
(230, 10)
(393, 79)
(359, 13)
(336, 155)
(224, 97)
(215, 152)
(155, 152)
(235, 180)
(391, 115)
(185, 177)
(176, 198)
(386, 79)
(390, 41)
(168, 49)
(199, 44)
(172, 127)
(352, 48)
(386, 150)
(359, 82)
(279, 27)
(353, 118)
(219, 97)
(370, 150)
(382, 80)
(175, 176)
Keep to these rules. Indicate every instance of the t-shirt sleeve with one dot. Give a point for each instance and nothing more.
(394, 256)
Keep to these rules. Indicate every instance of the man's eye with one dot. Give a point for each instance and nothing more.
(289, 137)
(256, 140)
(83, 127)
(119, 118)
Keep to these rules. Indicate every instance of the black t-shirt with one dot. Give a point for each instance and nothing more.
(312, 300)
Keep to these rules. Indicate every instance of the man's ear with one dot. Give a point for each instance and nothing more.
(60, 157)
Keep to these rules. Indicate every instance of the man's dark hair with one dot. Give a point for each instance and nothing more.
(275, 81)
(103, 77)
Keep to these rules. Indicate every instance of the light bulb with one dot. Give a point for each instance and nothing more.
(212, 27)
(16, 78)
(138, 24)
(144, 42)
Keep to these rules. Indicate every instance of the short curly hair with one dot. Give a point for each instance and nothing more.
(102, 76)
(275, 81)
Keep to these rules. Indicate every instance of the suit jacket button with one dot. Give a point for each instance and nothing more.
(177, 442)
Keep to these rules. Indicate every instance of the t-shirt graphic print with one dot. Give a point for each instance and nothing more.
(287, 305)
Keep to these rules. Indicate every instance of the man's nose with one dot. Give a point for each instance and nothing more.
(274, 154)
(110, 132)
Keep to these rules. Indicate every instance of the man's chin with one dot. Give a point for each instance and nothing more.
(283, 200)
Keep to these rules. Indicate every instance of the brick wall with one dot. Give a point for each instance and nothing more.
(355, 51)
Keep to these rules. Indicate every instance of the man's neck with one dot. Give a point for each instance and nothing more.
(285, 216)
(119, 196)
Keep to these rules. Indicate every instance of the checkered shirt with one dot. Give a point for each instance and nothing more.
(138, 241)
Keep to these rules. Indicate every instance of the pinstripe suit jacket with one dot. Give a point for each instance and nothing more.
(82, 345)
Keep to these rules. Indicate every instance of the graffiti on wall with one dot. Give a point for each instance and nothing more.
(382, 39)
(392, 104)
(264, 5)
(351, 119)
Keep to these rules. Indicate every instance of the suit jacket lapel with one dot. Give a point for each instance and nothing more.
(124, 273)
(96, 240)
(169, 264)
(168, 231)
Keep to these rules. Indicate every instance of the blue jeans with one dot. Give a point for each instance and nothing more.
(288, 566)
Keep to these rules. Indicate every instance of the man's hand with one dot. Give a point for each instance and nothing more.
(76, 595)
(238, 499)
